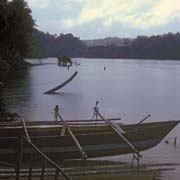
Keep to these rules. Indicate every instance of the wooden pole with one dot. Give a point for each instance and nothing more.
(30, 164)
(43, 169)
(48, 159)
(119, 132)
(84, 155)
(19, 158)
(175, 139)
(132, 162)
(140, 122)
(25, 130)
(28, 139)
(56, 175)
(63, 130)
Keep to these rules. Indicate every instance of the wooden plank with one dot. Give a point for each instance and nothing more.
(70, 122)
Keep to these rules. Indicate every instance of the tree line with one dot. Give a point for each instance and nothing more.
(166, 46)
(19, 39)
(53, 45)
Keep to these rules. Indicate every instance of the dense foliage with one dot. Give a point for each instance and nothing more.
(16, 41)
(165, 46)
(36, 48)
(16, 28)
(60, 45)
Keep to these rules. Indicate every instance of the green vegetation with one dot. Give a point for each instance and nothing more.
(60, 45)
(166, 46)
(16, 28)
(36, 48)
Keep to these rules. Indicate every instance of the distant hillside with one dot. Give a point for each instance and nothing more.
(166, 46)
(109, 41)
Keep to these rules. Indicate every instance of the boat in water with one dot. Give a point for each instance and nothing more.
(97, 139)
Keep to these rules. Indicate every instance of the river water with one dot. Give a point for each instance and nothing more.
(129, 89)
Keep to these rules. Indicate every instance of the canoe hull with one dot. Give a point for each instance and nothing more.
(97, 144)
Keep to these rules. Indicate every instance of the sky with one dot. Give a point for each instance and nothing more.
(94, 19)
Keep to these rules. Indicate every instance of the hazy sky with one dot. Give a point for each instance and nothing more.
(90, 19)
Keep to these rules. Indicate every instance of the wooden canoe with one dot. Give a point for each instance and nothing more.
(97, 140)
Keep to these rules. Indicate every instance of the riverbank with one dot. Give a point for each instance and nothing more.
(7, 74)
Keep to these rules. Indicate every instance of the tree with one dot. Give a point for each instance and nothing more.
(15, 33)
(36, 48)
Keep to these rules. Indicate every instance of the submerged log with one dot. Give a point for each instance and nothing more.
(61, 85)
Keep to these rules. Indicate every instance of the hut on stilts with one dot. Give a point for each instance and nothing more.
(64, 61)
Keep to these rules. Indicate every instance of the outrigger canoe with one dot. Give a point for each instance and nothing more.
(96, 139)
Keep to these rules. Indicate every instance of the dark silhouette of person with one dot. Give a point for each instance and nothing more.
(56, 112)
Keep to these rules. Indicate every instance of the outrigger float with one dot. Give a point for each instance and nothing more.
(80, 139)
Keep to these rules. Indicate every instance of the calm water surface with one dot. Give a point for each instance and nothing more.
(129, 89)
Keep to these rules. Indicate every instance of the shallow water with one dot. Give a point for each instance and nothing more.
(129, 89)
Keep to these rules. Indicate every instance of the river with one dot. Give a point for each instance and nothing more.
(129, 89)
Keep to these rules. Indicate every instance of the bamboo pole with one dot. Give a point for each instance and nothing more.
(25, 130)
(56, 174)
(119, 132)
(30, 164)
(175, 139)
(140, 122)
(43, 169)
(48, 159)
(19, 159)
(28, 139)
(84, 155)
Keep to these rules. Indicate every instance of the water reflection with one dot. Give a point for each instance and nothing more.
(17, 87)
